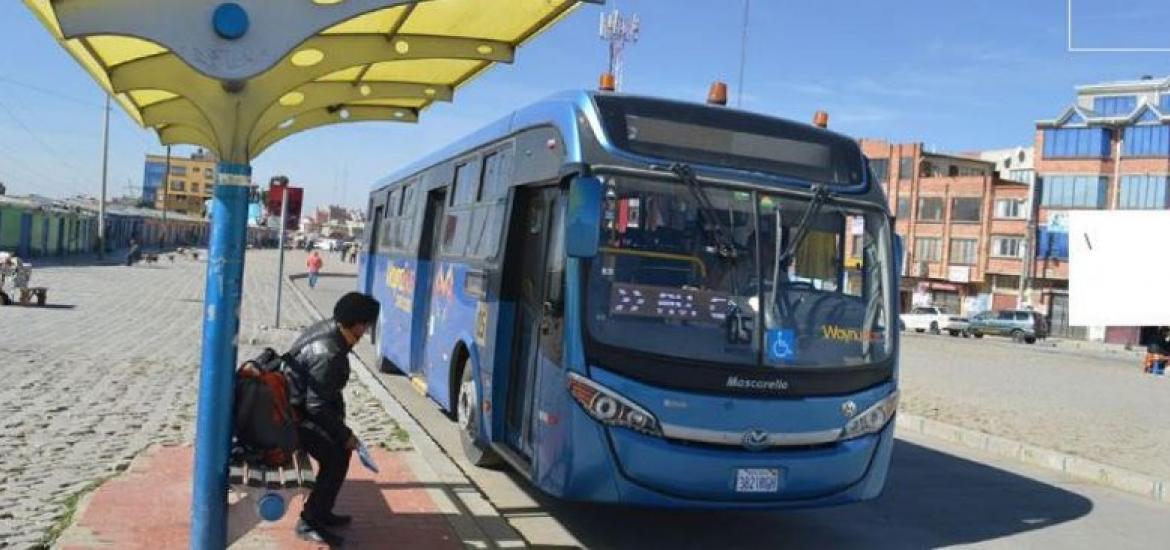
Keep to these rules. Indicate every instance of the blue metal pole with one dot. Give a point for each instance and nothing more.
(221, 324)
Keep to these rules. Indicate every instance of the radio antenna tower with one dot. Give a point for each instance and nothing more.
(619, 31)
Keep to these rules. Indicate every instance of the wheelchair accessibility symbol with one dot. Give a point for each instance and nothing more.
(781, 344)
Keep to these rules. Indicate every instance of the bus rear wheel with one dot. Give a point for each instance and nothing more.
(468, 416)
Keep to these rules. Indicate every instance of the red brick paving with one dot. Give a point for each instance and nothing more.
(148, 507)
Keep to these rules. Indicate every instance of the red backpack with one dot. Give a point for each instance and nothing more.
(265, 422)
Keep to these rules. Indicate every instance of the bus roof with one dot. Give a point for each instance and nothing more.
(559, 110)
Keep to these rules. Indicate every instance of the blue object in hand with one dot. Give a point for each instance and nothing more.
(364, 456)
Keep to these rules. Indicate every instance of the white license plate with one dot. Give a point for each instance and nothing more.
(757, 480)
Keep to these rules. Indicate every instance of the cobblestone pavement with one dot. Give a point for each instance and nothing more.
(111, 368)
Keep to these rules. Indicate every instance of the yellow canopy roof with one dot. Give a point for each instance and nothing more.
(299, 64)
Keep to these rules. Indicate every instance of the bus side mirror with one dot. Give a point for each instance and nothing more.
(898, 255)
(583, 219)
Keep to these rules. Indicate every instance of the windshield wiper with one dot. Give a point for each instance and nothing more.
(779, 300)
(821, 195)
(716, 231)
(720, 235)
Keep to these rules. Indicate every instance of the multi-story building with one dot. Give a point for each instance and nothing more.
(1109, 150)
(191, 182)
(963, 226)
(1015, 164)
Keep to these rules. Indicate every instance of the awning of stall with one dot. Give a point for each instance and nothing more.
(237, 77)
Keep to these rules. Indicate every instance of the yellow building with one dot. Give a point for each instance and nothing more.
(190, 183)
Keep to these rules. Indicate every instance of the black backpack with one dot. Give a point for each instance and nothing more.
(265, 423)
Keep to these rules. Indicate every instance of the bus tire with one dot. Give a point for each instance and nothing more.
(468, 415)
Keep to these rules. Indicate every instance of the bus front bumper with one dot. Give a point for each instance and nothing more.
(657, 472)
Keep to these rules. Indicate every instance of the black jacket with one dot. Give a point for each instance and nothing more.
(318, 372)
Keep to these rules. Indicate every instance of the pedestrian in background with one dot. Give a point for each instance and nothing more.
(314, 263)
(319, 372)
(135, 252)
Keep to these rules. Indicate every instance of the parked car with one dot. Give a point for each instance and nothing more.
(933, 319)
(1020, 325)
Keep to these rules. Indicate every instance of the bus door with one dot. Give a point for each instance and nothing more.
(527, 262)
(425, 274)
(372, 251)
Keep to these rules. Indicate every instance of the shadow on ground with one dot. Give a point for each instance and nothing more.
(932, 500)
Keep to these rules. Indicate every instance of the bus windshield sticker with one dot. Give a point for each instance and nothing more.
(841, 334)
(665, 302)
(781, 344)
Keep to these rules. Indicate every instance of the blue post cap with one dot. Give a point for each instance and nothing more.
(230, 21)
(271, 507)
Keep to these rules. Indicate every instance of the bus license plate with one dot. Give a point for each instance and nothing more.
(757, 480)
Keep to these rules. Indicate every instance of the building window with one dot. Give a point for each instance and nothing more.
(930, 209)
(1074, 191)
(1114, 105)
(1005, 283)
(1007, 247)
(178, 170)
(903, 206)
(178, 185)
(1076, 143)
(1010, 209)
(1027, 176)
(1144, 192)
(881, 169)
(194, 187)
(927, 249)
(1146, 141)
(905, 168)
(966, 209)
(963, 252)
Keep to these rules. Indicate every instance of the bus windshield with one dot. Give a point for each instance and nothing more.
(719, 275)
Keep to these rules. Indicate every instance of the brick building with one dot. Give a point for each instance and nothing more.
(963, 226)
(1109, 150)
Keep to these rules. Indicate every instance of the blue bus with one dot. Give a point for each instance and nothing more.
(643, 301)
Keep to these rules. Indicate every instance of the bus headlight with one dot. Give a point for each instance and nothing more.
(873, 419)
(610, 408)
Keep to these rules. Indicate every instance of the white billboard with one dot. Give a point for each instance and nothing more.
(1119, 268)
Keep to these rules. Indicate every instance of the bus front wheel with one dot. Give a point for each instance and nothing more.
(468, 415)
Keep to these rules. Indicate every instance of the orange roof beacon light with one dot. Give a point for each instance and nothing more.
(821, 119)
(718, 93)
(608, 82)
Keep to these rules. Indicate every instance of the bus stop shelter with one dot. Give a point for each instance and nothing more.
(236, 77)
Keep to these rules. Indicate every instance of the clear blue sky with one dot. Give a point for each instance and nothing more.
(912, 70)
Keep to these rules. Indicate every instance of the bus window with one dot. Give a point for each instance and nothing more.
(407, 213)
(496, 169)
(463, 189)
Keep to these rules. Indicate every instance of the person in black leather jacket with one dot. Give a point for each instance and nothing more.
(318, 373)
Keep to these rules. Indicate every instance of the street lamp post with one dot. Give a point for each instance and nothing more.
(280, 243)
(105, 172)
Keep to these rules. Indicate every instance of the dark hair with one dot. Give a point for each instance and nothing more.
(354, 308)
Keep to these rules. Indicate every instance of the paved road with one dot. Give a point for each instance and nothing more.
(1099, 407)
(937, 496)
(110, 368)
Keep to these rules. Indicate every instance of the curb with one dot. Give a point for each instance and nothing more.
(1073, 466)
(468, 511)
